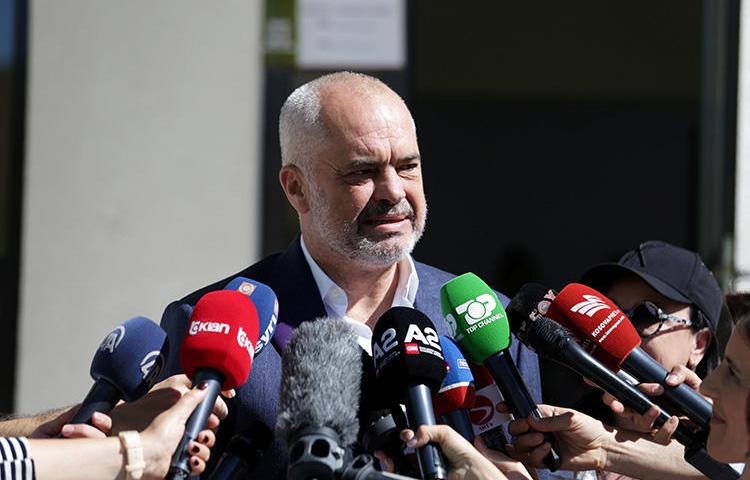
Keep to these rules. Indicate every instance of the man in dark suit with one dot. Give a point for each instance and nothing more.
(351, 169)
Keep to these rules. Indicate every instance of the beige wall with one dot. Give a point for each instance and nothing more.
(142, 171)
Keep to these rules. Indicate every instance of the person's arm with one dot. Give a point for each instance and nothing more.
(465, 462)
(95, 459)
(25, 426)
(588, 444)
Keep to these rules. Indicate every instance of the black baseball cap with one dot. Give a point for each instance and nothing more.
(674, 272)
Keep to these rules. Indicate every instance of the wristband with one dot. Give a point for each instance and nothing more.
(134, 464)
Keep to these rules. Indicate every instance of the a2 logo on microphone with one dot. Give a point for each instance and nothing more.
(479, 309)
(415, 342)
(199, 327)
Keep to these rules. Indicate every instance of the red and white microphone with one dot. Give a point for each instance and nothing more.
(218, 350)
(607, 333)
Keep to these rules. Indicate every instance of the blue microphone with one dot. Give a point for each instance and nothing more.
(126, 365)
(266, 304)
(456, 395)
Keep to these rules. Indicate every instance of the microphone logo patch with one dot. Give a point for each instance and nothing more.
(112, 340)
(151, 366)
(411, 348)
(245, 342)
(477, 309)
(196, 326)
(590, 306)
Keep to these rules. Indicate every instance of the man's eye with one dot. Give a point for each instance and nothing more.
(408, 166)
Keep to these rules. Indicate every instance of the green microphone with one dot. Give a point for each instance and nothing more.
(479, 324)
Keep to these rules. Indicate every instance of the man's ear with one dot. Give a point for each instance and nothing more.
(702, 342)
(293, 182)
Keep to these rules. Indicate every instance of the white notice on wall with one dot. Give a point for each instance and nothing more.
(357, 34)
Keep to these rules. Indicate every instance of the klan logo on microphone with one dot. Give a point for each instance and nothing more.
(590, 306)
(112, 340)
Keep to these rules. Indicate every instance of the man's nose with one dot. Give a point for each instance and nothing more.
(390, 186)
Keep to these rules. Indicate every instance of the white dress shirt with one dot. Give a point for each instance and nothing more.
(336, 302)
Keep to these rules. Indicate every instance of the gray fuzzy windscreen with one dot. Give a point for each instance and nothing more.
(320, 380)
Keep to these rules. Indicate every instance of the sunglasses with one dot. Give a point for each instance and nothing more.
(648, 319)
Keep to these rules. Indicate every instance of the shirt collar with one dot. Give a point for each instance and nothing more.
(335, 299)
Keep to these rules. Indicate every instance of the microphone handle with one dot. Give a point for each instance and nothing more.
(511, 385)
(230, 467)
(419, 412)
(102, 397)
(639, 364)
(460, 421)
(575, 358)
(179, 468)
(698, 457)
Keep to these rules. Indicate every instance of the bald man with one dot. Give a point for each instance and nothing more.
(351, 168)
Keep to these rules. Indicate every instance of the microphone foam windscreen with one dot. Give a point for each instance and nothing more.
(406, 351)
(476, 317)
(320, 380)
(131, 357)
(605, 330)
(531, 301)
(457, 390)
(222, 332)
(545, 336)
(266, 304)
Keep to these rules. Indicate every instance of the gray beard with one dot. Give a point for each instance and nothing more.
(346, 240)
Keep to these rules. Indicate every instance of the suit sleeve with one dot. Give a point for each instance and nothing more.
(174, 322)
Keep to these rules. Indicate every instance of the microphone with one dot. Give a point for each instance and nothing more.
(266, 304)
(125, 366)
(480, 325)
(218, 349)
(595, 318)
(456, 395)
(526, 312)
(320, 384)
(243, 453)
(410, 367)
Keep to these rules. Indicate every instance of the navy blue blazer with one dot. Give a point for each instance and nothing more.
(289, 275)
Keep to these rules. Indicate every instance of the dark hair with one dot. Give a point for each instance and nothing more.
(711, 358)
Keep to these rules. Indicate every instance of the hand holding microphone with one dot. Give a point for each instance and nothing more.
(218, 351)
(480, 326)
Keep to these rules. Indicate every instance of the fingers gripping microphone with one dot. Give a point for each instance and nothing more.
(599, 322)
(410, 367)
(456, 395)
(320, 384)
(218, 350)
(480, 326)
(125, 366)
(266, 304)
(526, 313)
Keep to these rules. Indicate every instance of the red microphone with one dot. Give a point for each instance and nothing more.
(218, 350)
(611, 338)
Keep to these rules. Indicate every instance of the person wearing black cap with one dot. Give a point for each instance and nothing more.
(673, 300)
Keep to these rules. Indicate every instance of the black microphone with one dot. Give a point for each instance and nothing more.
(243, 453)
(410, 368)
(320, 384)
(622, 346)
(552, 341)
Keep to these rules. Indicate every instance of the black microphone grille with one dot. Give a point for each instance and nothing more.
(545, 336)
(321, 374)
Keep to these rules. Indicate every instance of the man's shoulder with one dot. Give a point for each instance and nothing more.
(432, 278)
(261, 271)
